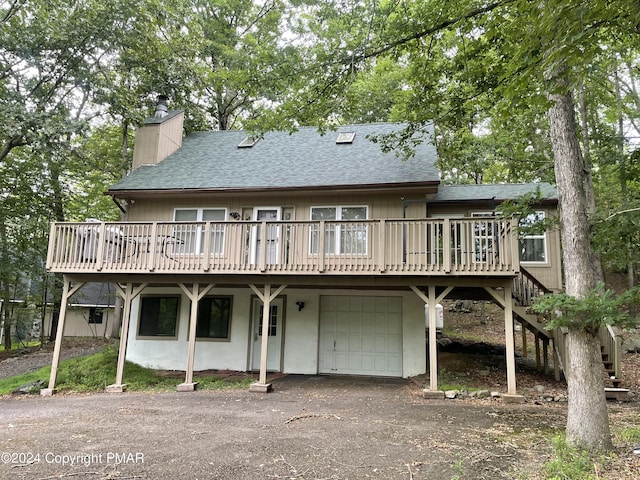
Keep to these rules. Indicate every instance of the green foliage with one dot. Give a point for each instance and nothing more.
(458, 469)
(525, 207)
(94, 372)
(631, 435)
(571, 463)
(600, 306)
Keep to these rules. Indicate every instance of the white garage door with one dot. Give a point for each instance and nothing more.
(361, 335)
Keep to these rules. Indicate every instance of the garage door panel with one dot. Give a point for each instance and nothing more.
(355, 343)
(393, 345)
(367, 343)
(361, 335)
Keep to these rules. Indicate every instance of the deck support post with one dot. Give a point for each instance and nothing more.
(432, 300)
(266, 297)
(433, 344)
(556, 360)
(127, 293)
(509, 340)
(506, 302)
(67, 292)
(195, 295)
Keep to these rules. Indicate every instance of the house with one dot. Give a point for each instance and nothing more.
(300, 253)
(90, 313)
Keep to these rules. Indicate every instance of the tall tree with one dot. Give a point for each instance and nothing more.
(476, 60)
(50, 56)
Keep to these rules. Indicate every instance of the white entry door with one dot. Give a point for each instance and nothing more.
(274, 342)
(361, 335)
(271, 236)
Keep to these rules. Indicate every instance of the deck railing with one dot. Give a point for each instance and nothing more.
(466, 246)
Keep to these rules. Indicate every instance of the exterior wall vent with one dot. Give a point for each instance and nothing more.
(345, 137)
(248, 142)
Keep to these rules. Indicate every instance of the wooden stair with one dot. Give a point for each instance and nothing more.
(613, 388)
(525, 289)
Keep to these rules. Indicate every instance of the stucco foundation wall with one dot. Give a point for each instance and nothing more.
(301, 334)
(171, 353)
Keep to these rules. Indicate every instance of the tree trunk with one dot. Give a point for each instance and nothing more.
(58, 212)
(623, 175)
(5, 260)
(588, 176)
(587, 418)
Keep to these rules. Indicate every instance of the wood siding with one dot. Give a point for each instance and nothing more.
(155, 142)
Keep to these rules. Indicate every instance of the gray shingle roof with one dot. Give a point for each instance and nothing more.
(304, 159)
(497, 192)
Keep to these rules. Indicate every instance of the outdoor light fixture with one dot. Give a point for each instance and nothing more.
(300, 305)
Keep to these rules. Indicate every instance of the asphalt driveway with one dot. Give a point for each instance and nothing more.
(307, 428)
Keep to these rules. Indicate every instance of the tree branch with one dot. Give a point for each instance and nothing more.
(436, 28)
(628, 210)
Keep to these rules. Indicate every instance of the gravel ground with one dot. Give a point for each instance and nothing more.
(308, 428)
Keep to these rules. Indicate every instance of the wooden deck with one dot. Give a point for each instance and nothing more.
(475, 246)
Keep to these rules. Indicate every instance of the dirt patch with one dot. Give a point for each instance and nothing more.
(29, 359)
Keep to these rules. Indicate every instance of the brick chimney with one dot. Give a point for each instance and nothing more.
(159, 136)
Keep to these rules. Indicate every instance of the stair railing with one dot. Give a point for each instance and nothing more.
(612, 347)
(526, 287)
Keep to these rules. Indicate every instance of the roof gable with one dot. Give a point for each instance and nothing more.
(282, 160)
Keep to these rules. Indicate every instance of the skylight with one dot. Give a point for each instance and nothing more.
(248, 142)
(346, 137)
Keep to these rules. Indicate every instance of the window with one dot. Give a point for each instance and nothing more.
(273, 321)
(484, 233)
(214, 317)
(95, 315)
(533, 247)
(158, 316)
(189, 238)
(345, 137)
(340, 238)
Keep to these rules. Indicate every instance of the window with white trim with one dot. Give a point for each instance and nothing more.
(533, 247)
(340, 238)
(190, 237)
(483, 237)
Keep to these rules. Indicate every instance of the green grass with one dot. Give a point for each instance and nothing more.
(93, 373)
(631, 434)
(19, 345)
(572, 463)
(448, 380)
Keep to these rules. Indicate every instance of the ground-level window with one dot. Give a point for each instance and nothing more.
(95, 315)
(340, 237)
(190, 237)
(159, 316)
(214, 317)
(533, 246)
